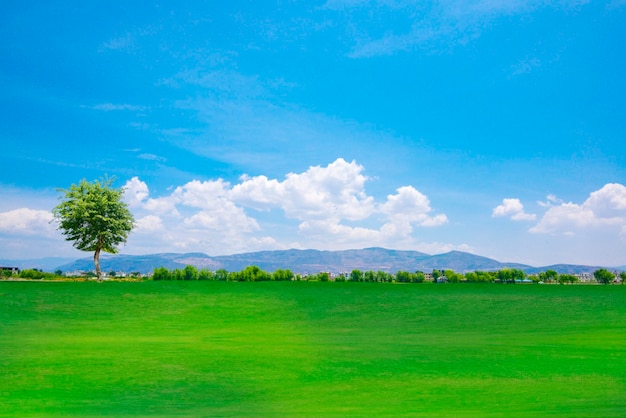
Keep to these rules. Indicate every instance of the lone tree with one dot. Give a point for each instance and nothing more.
(603, 276)
(94, 216)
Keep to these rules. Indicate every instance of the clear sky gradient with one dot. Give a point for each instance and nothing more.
(487, 126)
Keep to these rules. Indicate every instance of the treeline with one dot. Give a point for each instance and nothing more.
(255, 274)
(31, 274)
(249, 274)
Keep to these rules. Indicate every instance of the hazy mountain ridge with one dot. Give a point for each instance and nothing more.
(305, 261)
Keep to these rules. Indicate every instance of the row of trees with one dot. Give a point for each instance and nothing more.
(249, 274)
(255, 274)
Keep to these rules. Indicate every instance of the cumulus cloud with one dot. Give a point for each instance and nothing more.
(409, 206)
(149, 223)
(514, 209)
(26, 221)
(328, 203)
(335, 192)
(135, 192)
(603, 208)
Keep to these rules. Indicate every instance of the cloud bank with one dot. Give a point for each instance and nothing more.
(324, 207)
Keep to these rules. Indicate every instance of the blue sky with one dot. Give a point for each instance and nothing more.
(494, 127)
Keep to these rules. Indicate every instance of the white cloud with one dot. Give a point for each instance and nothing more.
(514, 209)
(608, 202)
(329, 203)
(409, 206)
(27, 221)
(135, 192)
(163, 205)
(148, 224)
(203, 195)
(440, 248)
(332, 192)
(340, 235)
(225, 218)
(604, 208)
(550, 200)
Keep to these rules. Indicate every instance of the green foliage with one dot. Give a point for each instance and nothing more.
(403, 277)
(161, 273)
(418, 277)
(250, 274)
(206, 274)
(383, 276)
(356, 276)
(480, 277)
(567, 278)
(281, 275)
(255, 274)
(453, 277)
(603, 276)
(510, 275)
(94, 216)
(622, 276)
(190, 273)
(33, 274)
(548, 276)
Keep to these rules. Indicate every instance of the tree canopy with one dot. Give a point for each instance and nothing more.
(603, 276)
(94, 216)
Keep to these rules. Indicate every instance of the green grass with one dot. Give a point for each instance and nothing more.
(311, 349)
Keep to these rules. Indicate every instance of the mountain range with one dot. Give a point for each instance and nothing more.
(298, 261)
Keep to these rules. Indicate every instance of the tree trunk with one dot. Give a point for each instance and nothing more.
(96, 261)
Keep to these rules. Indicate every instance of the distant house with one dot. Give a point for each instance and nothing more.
(442, 279)
(13, 270)
(585, 277)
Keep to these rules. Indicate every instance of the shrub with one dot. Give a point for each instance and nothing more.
(35, 274)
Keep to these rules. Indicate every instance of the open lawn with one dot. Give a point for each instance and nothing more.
(311, 349)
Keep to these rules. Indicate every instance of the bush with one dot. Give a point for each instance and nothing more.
(35, 274)
(161, 273)
(206, 274)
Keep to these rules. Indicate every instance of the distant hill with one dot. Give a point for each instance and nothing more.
(462, 262)
(313, 261)
(569, 269)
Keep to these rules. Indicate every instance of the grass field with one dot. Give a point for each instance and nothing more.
(311, 349)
